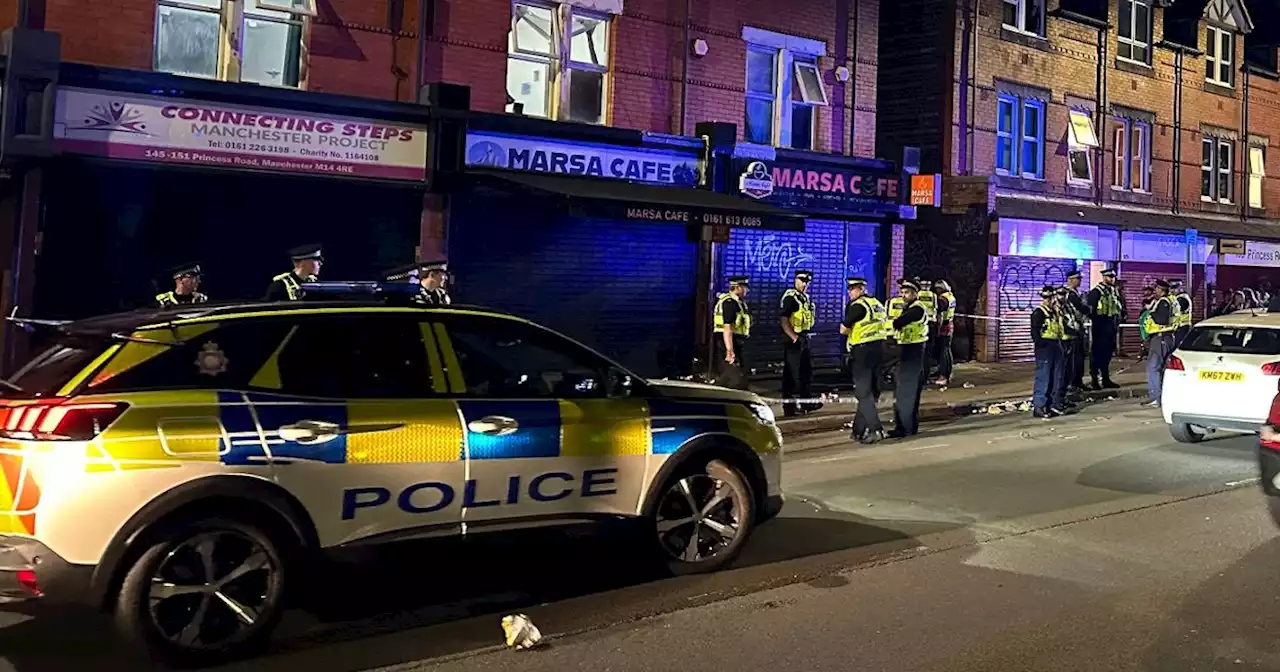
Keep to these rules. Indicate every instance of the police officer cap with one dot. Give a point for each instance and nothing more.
(1074, 274)
(1110, 272)
(1162, 284)
(1061, 291)
(402, 273)
(184, 270)
(1175, 282)
(1048, 291)
(907, 284)
(739, 280)
(856, 282)
(434, 265)
(806, 276)
(305, 252)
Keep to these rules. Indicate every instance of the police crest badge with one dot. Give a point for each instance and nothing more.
(211, 361)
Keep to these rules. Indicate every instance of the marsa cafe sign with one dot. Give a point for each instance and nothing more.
(695, 217)
(819, 187)
(545, 155)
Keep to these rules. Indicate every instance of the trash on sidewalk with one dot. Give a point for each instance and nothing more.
(521, 632)
(1004, 407)
(968, 386)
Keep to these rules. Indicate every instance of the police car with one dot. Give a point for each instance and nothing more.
(175, 467)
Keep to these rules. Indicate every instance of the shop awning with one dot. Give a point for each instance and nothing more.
(591, 197)
(1134, 220)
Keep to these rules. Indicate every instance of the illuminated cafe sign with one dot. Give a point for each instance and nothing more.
(819, 186)
(585, 159)
(681, 215)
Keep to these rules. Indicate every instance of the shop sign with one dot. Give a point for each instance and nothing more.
(169, 130)
(926, 190)
(820, 187)
(1255, 254)
(710, 217)
(1163, 248)
(547, 155)
(1227, 246)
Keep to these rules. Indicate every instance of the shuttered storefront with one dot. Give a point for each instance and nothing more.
(1134, 275)
(833, 250)
(1021, 279)
(623, 288)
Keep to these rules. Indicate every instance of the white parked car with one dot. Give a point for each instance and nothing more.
(1223, 376)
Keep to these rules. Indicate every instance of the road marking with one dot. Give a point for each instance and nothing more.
(861, 453)
(1246, 481)
(931, 445)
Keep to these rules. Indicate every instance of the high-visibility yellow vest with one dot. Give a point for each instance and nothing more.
(1052, 329)
(168, 299)
(929, 300)
(874, 326)
(742, 323)
(896, 304)
(1108, 301)
(949, 315)
(1184, 316)
(1072, 321)
(1149, 321)
(290, 285)
(916, 332)
(802, 320)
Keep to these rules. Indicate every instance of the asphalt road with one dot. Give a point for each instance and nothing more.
(991, 543)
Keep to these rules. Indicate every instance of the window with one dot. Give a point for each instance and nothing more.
(504, 359)
(1132, 152)
(191, 34)
(1020, 137)
(1233, 340)
(1219, 54)
(356, 358)
(1135, 31)
(784, 88)
(558, 63)
(244, 347)
(1215, 170)
(1081, 141)
(1257, 174)
(1026, 16)
(46, 373)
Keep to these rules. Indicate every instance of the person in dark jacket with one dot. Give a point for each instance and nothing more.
(912, 330)
(1160, 325)
(1048, 399)
(1079, 344)
(1106, 309)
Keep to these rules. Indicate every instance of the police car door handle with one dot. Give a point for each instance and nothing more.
(494, 425)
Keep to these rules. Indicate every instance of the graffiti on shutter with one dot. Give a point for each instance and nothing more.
(1021, 279)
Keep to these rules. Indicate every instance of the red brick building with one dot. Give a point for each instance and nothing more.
(1082, 133)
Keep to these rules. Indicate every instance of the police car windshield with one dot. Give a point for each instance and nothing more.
(1233, 340)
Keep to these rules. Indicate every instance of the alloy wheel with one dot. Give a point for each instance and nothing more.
(211, 590)
(698, 517)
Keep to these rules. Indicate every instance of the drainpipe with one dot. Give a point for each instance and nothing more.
(853, 79)
(971, 80)
(684, 66)
(1244, 137)
(1177, 133)
(426, 21)
(964, 90)
(1101, 101)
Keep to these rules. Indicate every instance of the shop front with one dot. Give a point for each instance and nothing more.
(1146, 257)
(1241, 263)
(846, 203)
(593, 231)
(157, 170)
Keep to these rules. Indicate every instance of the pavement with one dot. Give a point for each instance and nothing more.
(974, 388)
(988, 542)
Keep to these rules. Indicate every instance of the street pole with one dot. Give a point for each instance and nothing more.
(1193, 241)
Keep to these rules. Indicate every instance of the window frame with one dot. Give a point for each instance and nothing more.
(1018, 137)
(430, 388)
(1010, 136)
(1080, 145)
(1214, 55)
(787, 66)
(1217, 168)
(1021, 17)
(560, 62)
(1257, 175)
(1124, 132)
(230, 48)
(1131, 40)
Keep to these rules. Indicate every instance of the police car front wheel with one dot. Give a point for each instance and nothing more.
(703, 516)
(208, 591)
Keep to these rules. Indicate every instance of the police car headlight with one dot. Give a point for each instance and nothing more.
(763, 412)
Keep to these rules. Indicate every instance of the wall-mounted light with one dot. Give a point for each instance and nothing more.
(700, 47)
(842, 73)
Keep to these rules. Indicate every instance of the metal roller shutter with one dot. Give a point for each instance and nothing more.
(832, 250)
(623, 288)
(1134, 275)
(1021, 279)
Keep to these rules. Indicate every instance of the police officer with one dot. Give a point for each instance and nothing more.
(797, 318)
(1105, 309)
(942, 354)
(433, 275)
(865, 324)
(929, 300)
(1080, 310)
(1160, 323)
(186, 283)
(891, 350)
(733, 328)
(1182, 301)
(1047, 334)
(1072, 333)
(912, 332)
(307, 260)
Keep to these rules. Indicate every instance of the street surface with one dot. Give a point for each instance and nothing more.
(1092, 542)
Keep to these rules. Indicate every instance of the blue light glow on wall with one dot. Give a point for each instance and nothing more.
(1027, 238)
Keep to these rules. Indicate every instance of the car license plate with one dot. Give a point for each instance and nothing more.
(1222, 376)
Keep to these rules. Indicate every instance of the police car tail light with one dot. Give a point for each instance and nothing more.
(1174, 364)
(58, 422)
(1271, 369)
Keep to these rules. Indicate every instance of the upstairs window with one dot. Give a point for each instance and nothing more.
(1024, 16)
(1132, 171)
(1135, 31)
(268, 34)
(1257, 174)
(1020, 136)
(1215, 169)
(1082, 139)
(558, 63)
(784, 89)
(1219, 56)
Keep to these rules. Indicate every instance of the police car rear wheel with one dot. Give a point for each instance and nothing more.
(703, 517)
(210, 591)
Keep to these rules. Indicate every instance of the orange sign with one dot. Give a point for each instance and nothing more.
(925, 190)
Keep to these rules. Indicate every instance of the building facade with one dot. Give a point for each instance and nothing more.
(1082, 133)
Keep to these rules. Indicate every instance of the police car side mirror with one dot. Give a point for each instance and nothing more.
(619, 384)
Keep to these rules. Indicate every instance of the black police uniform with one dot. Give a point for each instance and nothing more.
(865, 360)
(735, 375)
(288, 286)
(1078, 345)
(415, 273)
(1106, 329)
(910, 376)
(797, 358)
(172, 298)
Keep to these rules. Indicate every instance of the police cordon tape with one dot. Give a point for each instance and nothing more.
(1012, 319)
